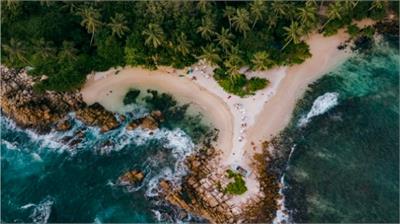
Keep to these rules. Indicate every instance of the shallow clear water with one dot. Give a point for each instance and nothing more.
(43, 180)
(345, 133)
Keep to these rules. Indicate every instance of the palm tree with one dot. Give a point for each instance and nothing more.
(279, 8)
(203, 6)
(183, 44)
(233, 64)
(118, 25)
(350, 4)
(11, 4)
(378, 4)
(241, 21)
(90, 20)
(261, 60)
(293, 33)
(272, 20)
(307, 16)
(16, 51)
(257, 9)
(229, 12)
(44, 48)
(154, 35)
(68, 52)
(210, 54)
(334, 12)
(224, 38)
(206, 29)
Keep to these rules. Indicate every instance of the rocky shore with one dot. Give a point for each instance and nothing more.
(43, 112)
(202, 191)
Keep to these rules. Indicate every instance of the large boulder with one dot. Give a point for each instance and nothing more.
(131, 177)
(63, 125)
(97, 115)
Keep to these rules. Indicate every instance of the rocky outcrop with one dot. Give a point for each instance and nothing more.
(202, 192)
(131, 177)
(43, 111)
(203, 187)
(29, 109)
(96, 115)
(149, 122)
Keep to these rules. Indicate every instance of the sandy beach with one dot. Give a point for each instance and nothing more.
(243, 123)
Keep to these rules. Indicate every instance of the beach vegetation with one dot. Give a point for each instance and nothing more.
(239, 84)
(238, 186)
(67, 40)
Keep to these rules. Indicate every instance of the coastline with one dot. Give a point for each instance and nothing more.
(265, 114)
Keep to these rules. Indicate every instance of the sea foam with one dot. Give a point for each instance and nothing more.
(321, 105)
(41, 212)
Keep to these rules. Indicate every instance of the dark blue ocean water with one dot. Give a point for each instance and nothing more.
(344, 165)
(43, 180)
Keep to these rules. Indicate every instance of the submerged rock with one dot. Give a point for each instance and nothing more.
(131, 177)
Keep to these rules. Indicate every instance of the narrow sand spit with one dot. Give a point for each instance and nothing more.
(243, 122)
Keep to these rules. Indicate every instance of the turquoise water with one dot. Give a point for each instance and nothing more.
(344, 166)
(43, 180)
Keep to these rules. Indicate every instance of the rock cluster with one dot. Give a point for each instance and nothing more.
(96, 115)
(30, 109)
(204, 192)
(131, 177)
(43, 111)
(203, 186)
(150, 122)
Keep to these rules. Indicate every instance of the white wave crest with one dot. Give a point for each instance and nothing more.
(321, 105)
(282, 215)
(41, 212)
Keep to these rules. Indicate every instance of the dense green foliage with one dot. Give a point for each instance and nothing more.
(238, 186)
(239, 84)
(67, 40)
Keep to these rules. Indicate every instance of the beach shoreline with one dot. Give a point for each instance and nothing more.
(243, 123)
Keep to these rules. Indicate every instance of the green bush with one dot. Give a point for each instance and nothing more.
(239, 85)
(256, 83)
(238, 186)
(353, 30)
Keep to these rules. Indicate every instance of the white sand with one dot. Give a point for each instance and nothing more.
(264, 114)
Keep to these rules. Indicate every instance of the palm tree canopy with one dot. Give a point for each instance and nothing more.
(183, 45)
(154, 35)
(335, 10)
(210, 54)
(90, 20)
(261, 60)
(241, 20)
(118, 25)
(293, 33)
(224, 38)
(229, 12)
(308, 16)
(68, 51)
(257, 9)
(206, 29)
(16, 52)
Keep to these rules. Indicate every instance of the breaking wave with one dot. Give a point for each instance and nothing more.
(41, 212)
(321, 105)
